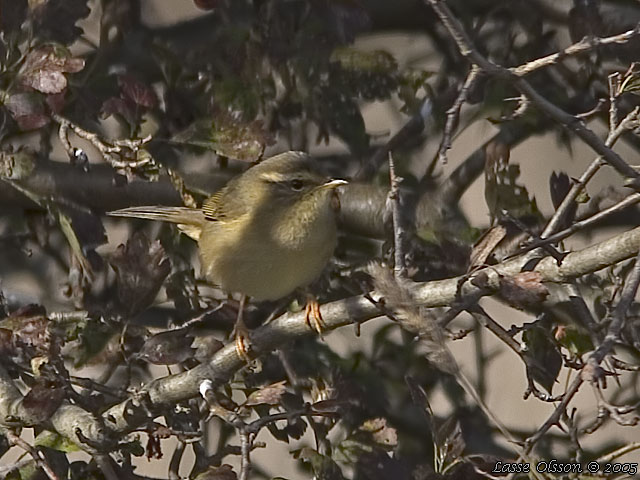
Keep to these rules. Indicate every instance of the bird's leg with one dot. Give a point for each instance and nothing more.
(241, 333)
(312, 315)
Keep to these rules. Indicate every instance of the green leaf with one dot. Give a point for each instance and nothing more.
(28, 472)
(93, 337)
(347, 122)
(378, 61)
(72, 239)
(134, 447)
(577, 341)
(17, 165)
(449, 444)
(324, 468)
(228, 137)
(631, 82)
(541, 356)
(502, 192)
(55, 441)
(413, 89)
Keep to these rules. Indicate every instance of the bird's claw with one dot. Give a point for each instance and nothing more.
(313, 317)
(243, 342)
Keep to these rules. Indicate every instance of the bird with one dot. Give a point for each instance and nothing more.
(266, 233)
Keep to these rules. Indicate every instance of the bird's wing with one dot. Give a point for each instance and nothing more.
(226, 204)
(213, 208)
(186, 215)
(189, 220)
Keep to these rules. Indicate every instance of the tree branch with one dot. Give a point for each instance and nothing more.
(167, 391)
(468, 50)
(585, 45)
(589, 371)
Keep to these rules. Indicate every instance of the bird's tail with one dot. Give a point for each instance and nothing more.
(189, 220)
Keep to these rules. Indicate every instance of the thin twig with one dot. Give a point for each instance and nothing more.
(609, 457)
(5, 470)
(399, 267)
(554, 418)
(453, 114)
(621, 365)
(585, 45)
(614, 93)
(615, 412)
(619, 313)
(176, 459)
(582, 224)
(468, 50)
(91, 384)
(484, 319)
(618, 317)
(163, 392)
(110, 152)
(600, 106)
(106, 466)
(245, 460)
(556, 220)
(257, 425)
(37, 456)
(579, 128)
(412, 128)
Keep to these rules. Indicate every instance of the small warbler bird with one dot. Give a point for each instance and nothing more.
(269, 231)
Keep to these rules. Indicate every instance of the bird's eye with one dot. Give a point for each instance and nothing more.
(297, 184)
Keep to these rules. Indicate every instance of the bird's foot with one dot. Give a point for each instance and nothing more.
(243, 341)
(313, 317)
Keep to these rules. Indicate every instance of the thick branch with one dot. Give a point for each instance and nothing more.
(90, 432)
(167, 391)
(68, 420)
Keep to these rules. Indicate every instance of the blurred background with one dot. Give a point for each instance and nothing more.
(218, 85)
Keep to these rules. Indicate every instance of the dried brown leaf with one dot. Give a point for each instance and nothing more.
(42, 401)
(223, 472)
(32, 333)
(55, 20)
(524, 289)
(486, 245)
(269, 395)
(167, 348)
(44, 68)
(27, 109)
(119, 106)
(137, 91)
(381, 432)
(141, 267)
(206, 347)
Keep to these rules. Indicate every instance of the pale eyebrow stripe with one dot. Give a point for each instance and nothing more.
(273, 177)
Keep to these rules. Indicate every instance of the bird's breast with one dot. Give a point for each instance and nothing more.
(267, 261)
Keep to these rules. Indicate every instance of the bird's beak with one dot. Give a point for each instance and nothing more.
(334, 183)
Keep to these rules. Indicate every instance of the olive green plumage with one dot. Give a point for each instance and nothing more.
(269, 231)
